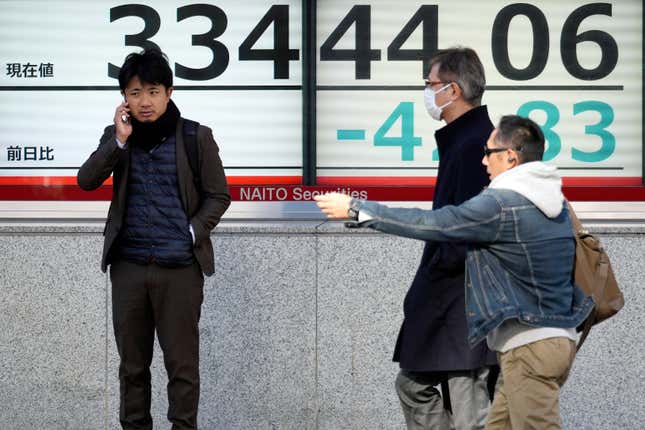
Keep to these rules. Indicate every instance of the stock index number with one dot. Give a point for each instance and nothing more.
(569, 40)
(426, 16)
(359, 16)
(278, 15)
(363, 54)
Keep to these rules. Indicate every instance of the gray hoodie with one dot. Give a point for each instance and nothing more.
(538, 182)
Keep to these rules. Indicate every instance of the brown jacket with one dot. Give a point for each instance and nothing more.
(204, 209)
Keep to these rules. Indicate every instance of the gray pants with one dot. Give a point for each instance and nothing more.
(423, 407)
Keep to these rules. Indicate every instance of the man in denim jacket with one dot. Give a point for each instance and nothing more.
(519, 291)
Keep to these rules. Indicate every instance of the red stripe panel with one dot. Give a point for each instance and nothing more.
(304, 193)
(431, 180)
(71, 180)
(326, 180)
(378, 180)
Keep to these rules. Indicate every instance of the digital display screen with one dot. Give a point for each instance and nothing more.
(575, 67)
(237, 69)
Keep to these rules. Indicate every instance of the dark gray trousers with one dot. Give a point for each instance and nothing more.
(146, 298)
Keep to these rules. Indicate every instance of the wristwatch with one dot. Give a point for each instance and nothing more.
(352, 213)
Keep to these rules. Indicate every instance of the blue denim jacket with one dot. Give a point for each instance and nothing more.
(518, 262)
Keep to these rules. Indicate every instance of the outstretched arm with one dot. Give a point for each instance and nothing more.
(476, 220)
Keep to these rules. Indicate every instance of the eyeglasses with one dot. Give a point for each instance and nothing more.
(430, 83)
(488, 151)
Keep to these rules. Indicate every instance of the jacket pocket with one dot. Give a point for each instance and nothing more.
(494, 290)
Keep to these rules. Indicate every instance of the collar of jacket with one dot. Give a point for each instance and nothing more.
(470, 124)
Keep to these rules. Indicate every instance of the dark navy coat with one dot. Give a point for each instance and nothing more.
(433, 336)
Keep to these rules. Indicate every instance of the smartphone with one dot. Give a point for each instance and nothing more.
(124, 118)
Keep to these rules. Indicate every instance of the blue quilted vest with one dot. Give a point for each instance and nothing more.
(156, 228)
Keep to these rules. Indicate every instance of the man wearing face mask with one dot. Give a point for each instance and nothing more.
(520, 296)
(432, 347)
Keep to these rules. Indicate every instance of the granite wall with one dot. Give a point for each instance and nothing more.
(297, 330)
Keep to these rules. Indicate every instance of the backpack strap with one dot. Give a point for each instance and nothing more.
(578, 230)
(189, 132)
(586, 327)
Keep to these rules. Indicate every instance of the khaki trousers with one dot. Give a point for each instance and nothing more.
(528, 395)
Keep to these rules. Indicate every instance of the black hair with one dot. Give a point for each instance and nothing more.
(522, 135)
(150, 66)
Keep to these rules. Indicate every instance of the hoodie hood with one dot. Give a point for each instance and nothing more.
(538, 182)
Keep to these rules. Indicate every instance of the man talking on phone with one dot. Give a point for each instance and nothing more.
(157, 236)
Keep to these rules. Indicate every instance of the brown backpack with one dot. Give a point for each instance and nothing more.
(594, 275)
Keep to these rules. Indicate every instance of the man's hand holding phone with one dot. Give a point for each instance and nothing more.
(122, 122)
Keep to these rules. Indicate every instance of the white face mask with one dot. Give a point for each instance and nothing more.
(431, 105)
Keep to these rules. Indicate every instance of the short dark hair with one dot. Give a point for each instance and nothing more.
(150, 65)
(463, 66)
(522, 135)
